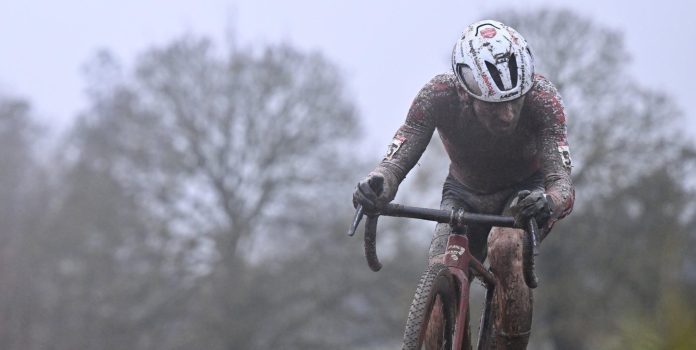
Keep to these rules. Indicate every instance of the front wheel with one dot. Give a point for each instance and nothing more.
(431, 318)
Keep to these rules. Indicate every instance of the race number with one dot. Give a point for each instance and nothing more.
(394, 146)
(564, 150)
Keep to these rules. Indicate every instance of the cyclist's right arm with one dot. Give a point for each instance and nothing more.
(411, 138)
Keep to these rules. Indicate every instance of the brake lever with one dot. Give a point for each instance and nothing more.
(359, 213)
(370, 226)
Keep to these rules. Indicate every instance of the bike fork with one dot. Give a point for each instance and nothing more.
(485, 331)
(461, 328)
(457, 259)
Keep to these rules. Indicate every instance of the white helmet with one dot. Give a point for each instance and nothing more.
(493, 62)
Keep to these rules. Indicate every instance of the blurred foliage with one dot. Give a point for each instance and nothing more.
(670, 327)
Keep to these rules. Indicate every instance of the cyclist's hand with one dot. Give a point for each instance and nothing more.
(371, 194)
(531, 204)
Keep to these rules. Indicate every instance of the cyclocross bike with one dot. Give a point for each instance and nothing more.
(438, 317)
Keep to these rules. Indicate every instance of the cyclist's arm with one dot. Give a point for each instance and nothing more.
(555, 152)
(413, 136)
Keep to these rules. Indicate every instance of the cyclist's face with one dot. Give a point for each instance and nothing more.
(500, 118)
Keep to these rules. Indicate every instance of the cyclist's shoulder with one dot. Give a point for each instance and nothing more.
(444, 84)
(447, 79)
(542, 85)
(435, 100)
(544, 100)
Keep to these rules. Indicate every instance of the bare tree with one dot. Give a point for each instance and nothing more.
(22, 205)
(218, 143)
(112, 284)
(224, 150)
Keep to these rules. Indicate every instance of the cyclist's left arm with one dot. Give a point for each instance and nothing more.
(555, 150)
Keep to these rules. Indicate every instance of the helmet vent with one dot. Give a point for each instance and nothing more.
(512, 65)
(467, 76)
(496, 75)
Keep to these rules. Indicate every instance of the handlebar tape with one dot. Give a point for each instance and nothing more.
(528, 252)
(371, 242)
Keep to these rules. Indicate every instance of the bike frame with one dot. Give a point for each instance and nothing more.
(460, 262)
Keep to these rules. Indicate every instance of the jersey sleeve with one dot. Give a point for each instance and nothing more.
(413, 136)
(555, 157)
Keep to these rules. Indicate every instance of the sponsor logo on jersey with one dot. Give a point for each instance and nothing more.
(394, 146)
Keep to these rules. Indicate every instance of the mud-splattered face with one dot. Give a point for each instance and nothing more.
(500, 118)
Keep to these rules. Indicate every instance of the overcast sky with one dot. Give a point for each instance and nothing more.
(387, 49)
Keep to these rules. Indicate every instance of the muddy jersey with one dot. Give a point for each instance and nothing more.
(480, 161)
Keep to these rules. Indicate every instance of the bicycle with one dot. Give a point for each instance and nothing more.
(442, 295)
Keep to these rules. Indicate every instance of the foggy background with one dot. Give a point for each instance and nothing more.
(177, 175)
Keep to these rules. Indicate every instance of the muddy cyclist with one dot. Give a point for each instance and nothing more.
(504, 130)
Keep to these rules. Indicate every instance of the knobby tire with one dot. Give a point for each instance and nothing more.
(435, 284)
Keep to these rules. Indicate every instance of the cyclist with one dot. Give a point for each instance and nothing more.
(504, 130)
